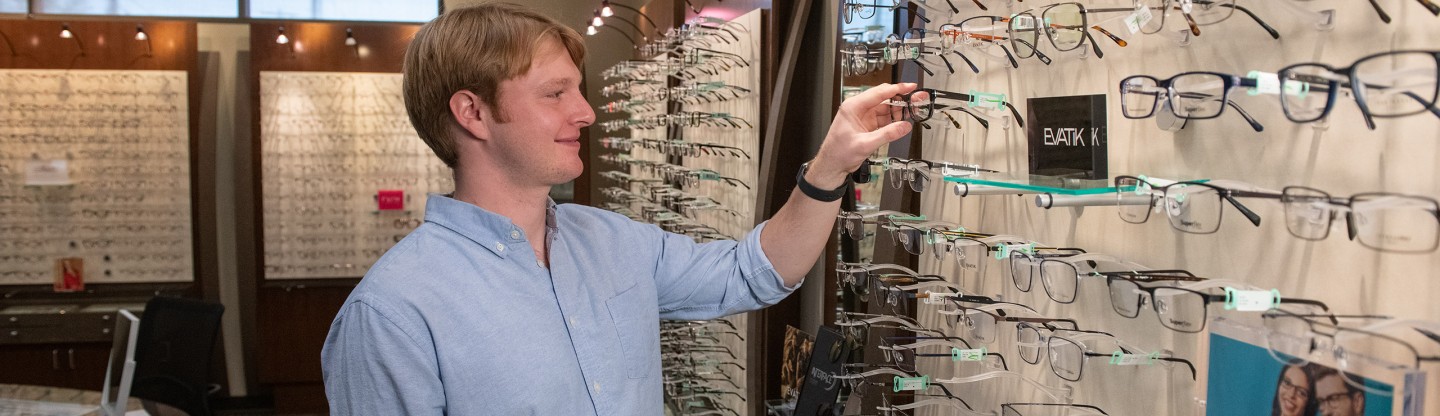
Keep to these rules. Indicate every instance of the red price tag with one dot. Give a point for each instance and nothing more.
(390, 199)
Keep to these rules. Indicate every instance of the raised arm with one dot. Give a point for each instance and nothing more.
(796, 236)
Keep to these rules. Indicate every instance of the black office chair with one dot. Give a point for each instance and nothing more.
(172, 354)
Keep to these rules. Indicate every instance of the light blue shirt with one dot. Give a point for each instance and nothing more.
(460, 318)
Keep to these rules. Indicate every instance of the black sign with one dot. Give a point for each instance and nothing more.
(1068, 137)
(821, 389)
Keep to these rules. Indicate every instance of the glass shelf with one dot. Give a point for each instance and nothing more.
(1044, 184)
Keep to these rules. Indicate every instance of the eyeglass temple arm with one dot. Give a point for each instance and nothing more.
(1273, 33)
(983, 123)
(1431, 6)
(1384, 17)
(962, 56)
(1113, 38)
(1254, 125)
(1071, 405)
(1095, 46)
(1188, 364)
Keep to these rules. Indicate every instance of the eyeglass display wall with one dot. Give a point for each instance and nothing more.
(130, 221)
(684, 156)
(1269, 183)
(95, 154)
(333, 145)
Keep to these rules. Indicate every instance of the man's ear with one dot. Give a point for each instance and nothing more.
(471, 114)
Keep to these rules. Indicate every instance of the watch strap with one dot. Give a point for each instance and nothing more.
(818, 194)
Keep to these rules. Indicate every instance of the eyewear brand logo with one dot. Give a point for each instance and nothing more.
(1191, 224)
(823, 377)
(1074, 137)
(1181, 323)
(1394, 239)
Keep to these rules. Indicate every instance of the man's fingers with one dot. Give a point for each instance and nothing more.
(889, 133)
(877, 95)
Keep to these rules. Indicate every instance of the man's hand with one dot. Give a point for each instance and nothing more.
(864, 123)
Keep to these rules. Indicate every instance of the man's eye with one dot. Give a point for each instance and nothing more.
(556, 94)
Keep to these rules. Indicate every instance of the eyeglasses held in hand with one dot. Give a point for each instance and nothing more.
(920, 105)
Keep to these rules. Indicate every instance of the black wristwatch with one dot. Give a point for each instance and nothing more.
(817, 193)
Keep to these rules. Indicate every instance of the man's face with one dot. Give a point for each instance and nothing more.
(1336, 400)
(539, 144)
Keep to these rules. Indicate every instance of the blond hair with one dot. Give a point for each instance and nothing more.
(475, 49)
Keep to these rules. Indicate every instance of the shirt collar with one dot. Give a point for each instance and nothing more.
(497, 233)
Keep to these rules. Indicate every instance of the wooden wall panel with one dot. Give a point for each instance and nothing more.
(292, 318)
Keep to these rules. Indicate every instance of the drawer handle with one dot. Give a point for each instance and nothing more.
(55, 360)
(72, 358)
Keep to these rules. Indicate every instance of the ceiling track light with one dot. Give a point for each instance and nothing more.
(140, 35)
(597, 21)
(350, 38)
(607, 10)
(65, 33)
(592, 30)
(280, 37)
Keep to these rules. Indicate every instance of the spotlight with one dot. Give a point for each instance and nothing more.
(605, 9)
(350, 37)
(281, 38)
(590, 30)
(65, 31)
(140, 33)
(596, 21)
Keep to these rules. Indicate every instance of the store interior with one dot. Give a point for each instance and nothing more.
(1117, 207)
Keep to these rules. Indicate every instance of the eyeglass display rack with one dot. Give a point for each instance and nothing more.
(1339, 154)
(97, 164)
(686, 158)
(333, 145)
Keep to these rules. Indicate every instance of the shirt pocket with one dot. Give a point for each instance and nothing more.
(636, 316)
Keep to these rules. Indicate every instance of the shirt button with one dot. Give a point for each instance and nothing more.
(500, 246)
(572, 321)
(597, 386)
(540, 263)
(515, 234)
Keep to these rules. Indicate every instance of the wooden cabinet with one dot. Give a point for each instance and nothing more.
(77, 366)
(293, 322)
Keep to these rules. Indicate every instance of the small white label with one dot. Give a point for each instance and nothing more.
(1139, 18)
(937, 298)
(1024, 23)
(957, 354)
(1121, 358)
(1265, 83)
(47, 172)
(911, 383)
(1251, 300)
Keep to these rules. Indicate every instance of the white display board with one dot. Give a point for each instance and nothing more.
(95, 166)
(1342, 157)
(332, 145)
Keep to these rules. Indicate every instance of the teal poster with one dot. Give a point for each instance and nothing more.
(1245, 380)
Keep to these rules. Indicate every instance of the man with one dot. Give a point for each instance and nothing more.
(1335, 397)
(505, 303)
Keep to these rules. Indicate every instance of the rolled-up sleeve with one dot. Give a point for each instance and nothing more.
(714, 279)
(373, 365)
